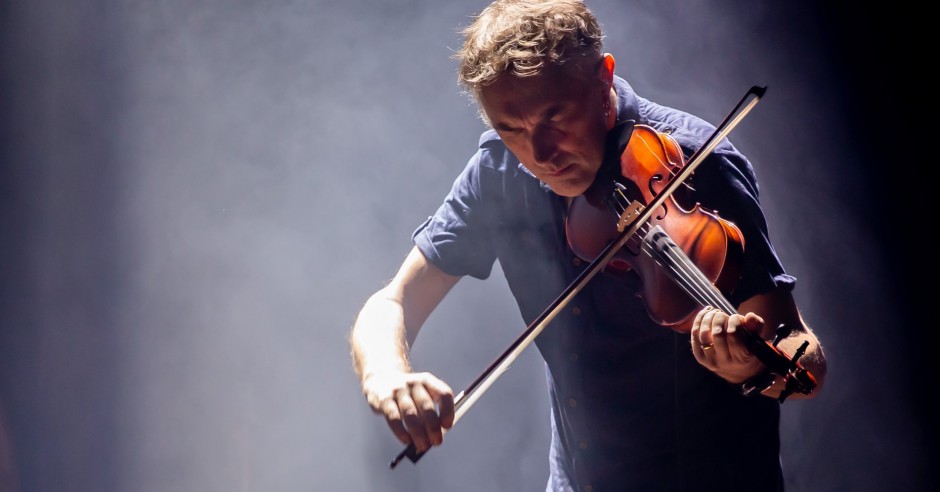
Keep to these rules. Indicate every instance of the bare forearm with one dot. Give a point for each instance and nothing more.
(813, 360)
(390, 320)
(378, 338)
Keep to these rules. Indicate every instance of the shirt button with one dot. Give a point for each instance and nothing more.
(587, 488)
(572, 402)
(573, 357)
(576, 310)
(576, 261)
(583, 445)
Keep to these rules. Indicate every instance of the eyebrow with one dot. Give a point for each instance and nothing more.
(550, 111)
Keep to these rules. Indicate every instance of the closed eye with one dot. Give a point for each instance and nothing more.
(504, 128)
(552, 114)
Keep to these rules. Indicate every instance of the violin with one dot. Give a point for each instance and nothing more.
(625, 222)
(646, 159)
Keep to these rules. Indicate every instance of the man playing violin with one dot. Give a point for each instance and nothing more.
(635, 405)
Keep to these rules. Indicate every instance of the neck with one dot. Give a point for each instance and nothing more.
(612, 117)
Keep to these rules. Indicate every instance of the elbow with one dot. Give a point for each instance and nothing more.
(816, 365)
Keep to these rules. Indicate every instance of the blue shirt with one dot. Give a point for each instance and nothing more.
(631, 408)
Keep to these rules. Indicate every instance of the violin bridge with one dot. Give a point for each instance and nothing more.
(629, 214)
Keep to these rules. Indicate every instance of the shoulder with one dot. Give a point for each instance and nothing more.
(492, 154)
(490, 172)
(495, 175)
(688, 129)
(691, 133)
(493, 160)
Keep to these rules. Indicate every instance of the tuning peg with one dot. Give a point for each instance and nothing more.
(782, 332)
(799, 352)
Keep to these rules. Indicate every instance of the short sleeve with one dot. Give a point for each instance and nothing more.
(728, 186)
(457, 238)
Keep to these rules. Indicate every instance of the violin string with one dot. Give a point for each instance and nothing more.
(681, 272)
(670, 255)
(619, 205)
(693, 274)
(668, 251)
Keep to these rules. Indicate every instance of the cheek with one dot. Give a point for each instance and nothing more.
(515, 145)
(590, 142)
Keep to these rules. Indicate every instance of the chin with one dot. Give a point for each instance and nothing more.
(570, 189)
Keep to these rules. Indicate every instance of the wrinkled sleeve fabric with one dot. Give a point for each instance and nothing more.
(457, 238)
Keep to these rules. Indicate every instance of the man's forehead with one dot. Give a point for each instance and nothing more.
(513, 94)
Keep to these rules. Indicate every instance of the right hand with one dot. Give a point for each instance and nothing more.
(418, 407)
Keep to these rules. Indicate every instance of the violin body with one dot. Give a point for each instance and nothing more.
(646, 163)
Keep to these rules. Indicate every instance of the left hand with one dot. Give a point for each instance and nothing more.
(717, 344)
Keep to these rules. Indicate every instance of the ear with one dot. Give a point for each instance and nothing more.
(605, 72)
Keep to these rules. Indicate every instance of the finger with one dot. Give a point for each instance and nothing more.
(705, 332)
(697, 323)
(375, 403)
(444, 396)
(428, 414)
(752, 322)
(719, 335)
(413, 423)
(698, 350)
(394, 421)
(736, 327)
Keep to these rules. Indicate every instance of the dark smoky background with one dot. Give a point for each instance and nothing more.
(197, 197)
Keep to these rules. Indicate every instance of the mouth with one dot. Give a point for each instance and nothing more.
(561, 171)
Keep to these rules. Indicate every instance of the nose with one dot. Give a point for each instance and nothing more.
(544, 146)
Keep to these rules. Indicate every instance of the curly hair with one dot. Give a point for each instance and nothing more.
(522, 37)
